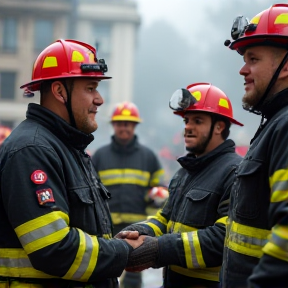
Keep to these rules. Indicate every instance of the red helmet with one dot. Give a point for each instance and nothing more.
(269, 27)
(126, 111)
(4, 133)
(66, 59)
(207, 98)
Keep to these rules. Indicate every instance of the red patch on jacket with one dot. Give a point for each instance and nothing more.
(45, 196)
(39, 177)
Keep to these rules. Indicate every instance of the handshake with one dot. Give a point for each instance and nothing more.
(145, 250)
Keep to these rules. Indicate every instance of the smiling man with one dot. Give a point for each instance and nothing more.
(256, 250)
(190, 228)
(54, 217)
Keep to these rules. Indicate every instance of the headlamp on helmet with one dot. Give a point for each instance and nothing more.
(181, 100)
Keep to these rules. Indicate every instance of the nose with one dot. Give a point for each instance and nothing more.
(98, 100)
(244, 70)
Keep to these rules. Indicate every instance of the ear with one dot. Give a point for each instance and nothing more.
(58, 91)
(284, 72)
(219, 127)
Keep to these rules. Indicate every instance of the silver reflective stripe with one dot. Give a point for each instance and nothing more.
(193, 251)
(85, 260)
(15, 263)
(42, 232)
(242, 239)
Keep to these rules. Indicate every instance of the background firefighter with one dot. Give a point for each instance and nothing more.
(129, 170)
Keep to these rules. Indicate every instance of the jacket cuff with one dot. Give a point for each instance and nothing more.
(170, 250)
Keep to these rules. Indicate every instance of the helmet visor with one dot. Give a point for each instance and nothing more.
(181, 100)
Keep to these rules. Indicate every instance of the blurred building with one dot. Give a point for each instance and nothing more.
(28, 26)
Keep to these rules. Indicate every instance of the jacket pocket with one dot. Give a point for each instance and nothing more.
(200, 208)
(81, 207)
(247, 188)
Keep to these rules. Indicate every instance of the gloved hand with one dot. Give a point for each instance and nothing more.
(158, 195)
(143, 257)
(156, 252)
(132, 227)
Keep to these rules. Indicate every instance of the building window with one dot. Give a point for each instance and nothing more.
(7, 85)
(102, 36)
(43, 34)
(9, 35)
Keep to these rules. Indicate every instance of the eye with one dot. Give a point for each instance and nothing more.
(198, 121)
(185, 120)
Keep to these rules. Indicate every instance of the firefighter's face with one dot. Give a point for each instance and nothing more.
(124, 130)
(197, 131)
(85, 102)
(261, 63)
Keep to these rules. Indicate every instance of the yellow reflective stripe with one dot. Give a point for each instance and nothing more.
(279, 196)
(158, 217)
(275, 251)
(278, 243)
(86, 258)
(156, 177)
(156, 229)
(124, 176)
(246, 240)
(279, 186)
(40, 222)
(211, 274)
(193, 253)
(118, 218)
(222, 220)
(177, 227)
(14, 262)
(43, 231)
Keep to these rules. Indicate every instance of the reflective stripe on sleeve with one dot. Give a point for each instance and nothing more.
(86, 258)
(158, 223)
(43, 231)
(246, 240)
(193, 253)
(278, 243)
(279, 186)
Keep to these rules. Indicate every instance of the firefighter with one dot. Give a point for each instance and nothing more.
(129, 170)
(4, 133)
(54, 217)
(190, 229)
(256, 252)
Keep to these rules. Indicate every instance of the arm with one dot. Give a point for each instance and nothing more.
(273, 265)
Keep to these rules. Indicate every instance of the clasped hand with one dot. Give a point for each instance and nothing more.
(145, 250)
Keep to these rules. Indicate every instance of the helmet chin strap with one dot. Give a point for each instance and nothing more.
(204, 146)
(69, 106)
(257, 108)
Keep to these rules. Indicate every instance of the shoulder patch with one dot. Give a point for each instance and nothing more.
(39, 177)
(45, 196)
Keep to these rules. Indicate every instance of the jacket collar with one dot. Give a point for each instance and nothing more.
(59, 126)
(130, 147)
(191, 163)
(276, 104)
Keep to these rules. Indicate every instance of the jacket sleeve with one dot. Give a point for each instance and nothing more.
(52, 246)
(200, 248)
(273, 265)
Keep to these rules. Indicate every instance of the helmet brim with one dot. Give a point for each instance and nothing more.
(35, 85)
(232, 120)
(241, 44)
